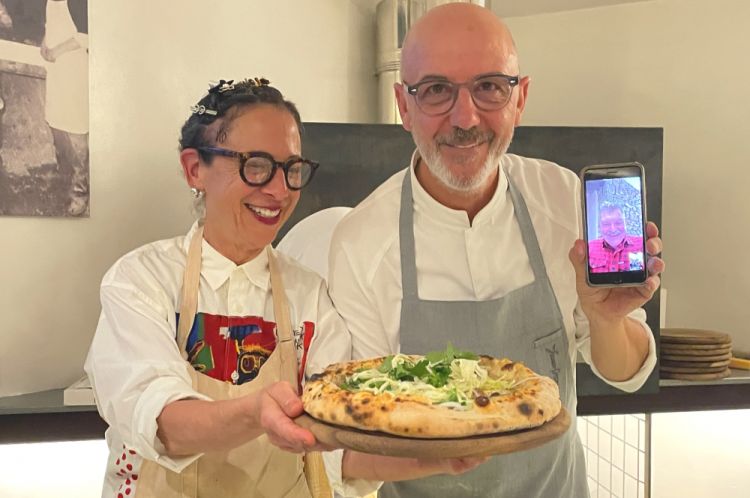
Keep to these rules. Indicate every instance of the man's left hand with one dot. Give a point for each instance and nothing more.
(608, 304)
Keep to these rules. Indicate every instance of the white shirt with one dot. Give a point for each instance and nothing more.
(309, 240)
(458, 260)
(134, 363)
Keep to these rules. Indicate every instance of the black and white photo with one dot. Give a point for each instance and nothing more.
(44, 150)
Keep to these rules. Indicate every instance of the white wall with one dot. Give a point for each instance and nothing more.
(149, 61)
(681, 65)
(700, 454)
(71, 469)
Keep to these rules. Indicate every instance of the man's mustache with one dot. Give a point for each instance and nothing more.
(460, 136)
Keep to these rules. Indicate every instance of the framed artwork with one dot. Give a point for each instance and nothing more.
(44, 151)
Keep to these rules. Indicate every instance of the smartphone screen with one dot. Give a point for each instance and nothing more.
(614, 224)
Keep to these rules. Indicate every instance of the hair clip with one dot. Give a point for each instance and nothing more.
(201, 109)
(222, 86)
(258, 82)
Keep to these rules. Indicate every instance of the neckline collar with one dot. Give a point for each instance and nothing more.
(217, 268)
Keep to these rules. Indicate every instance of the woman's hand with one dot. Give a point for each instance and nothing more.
(190, 426)
(277, 405)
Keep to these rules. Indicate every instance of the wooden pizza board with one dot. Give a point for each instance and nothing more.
(694, 376)
(695, 364)
(695, 351)
(693, 336)
(386, 444)
(702, 358)
(692, 370)
(696, 347)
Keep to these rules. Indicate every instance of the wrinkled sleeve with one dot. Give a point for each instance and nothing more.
(136, 369)
(583, 342)
(354, 298)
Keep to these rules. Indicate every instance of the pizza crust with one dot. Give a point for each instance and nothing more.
(533, 401)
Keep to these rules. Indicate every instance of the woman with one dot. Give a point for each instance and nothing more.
(193, 362)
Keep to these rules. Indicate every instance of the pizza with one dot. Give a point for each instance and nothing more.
(446, 394)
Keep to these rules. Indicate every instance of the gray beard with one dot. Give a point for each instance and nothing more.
(434, 161)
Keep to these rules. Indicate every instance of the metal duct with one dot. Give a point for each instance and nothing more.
(393, 19)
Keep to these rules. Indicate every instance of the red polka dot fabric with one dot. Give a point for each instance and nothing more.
(125, 473)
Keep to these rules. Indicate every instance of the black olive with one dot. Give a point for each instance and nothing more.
(482, 400)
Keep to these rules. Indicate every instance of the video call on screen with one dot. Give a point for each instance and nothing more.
(614, 224)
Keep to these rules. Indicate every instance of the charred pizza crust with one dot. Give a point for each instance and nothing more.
(530, 402)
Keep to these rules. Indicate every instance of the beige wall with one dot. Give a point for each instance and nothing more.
(681, 65)
(149, 61)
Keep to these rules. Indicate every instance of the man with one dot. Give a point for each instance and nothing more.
(470, 245)
(615, 250)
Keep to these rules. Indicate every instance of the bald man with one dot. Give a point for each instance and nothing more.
(482, 248)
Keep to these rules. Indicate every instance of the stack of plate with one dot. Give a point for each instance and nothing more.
(690, 354)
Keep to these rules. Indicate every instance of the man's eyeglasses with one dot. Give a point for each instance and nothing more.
(436, 96)
(257, 168)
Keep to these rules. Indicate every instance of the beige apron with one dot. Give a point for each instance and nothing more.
(257, 468)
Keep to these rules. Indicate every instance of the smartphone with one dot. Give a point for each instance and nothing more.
(614, 224)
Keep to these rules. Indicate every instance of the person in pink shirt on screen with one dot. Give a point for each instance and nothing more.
(615, 250)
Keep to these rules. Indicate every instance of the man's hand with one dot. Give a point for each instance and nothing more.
(277, 406)
(610, 304)
(387, 468)
(619, 345)
(452, 466)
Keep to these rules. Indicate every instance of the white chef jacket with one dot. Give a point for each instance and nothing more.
(136, 368)
(459, 260)
(309, 240)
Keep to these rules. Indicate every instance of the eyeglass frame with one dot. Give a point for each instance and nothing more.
(245, 156)
(413, 89)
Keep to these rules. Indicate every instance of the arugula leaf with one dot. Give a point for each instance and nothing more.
(440, 375)
(435, 356)
(402, 372)
(349, 385)
(387, 365)
(420, 369)
(449, 354)
(453, 395)
(465, 355)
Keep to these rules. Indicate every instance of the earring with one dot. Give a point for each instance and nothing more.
(196, 193)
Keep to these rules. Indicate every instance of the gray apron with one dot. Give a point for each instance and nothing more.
(524, 325)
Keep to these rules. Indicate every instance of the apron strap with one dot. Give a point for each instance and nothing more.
(314, 469)
(190, 282)
(528, 233)
(287, 351)
(406, 241)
